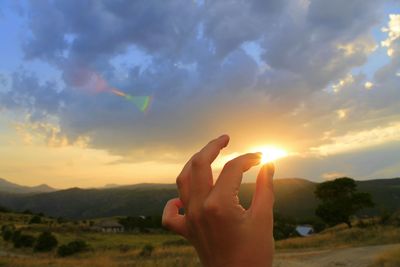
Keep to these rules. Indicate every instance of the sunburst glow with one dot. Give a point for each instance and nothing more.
(271, 153)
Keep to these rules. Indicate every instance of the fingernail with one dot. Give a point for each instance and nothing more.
(259, 154)
(227, 139)
(222, 136)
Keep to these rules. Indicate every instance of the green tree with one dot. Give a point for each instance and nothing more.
(23, 240)
(7, 232)
(36, 219)
(72, 247)
(4, 209)
(46, 242)
(340, 200)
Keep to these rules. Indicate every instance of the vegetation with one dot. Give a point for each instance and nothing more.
(144, 244)
(146, 251)
(389, 258)
(82, 247)
(7, 232)
(36, 219)
(142, 223)
(72, 247)
(4, 209)
(340, 200)
(21, 240)
(46, 242)
(342, 236)
(149, 199)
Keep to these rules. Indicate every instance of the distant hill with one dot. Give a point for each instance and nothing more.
(294, 197)
(9, 187)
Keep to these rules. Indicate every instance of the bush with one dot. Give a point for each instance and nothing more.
(15, 236)
(7, 232)
(35, 220)
(46, 242)
(146, 251)
(23, 240)
(61, 220)
(124, 248)
(4, 209)
(385, 217)
(72, 248)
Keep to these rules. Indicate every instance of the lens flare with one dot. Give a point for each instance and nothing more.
(90, 81)
(141, 102)
(271, 153)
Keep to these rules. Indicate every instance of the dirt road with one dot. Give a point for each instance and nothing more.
(345, 257)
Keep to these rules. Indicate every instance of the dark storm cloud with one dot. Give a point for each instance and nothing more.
(203, 80)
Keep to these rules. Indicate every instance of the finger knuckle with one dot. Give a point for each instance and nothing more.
(179, 181)
(211, 207)
(231, 164)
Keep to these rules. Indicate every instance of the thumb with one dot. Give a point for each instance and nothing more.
(171, 218)
(263, 199)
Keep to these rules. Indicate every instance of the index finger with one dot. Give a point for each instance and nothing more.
(201, 176)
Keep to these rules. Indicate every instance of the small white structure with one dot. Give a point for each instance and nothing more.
(304, 230)
(110, 227)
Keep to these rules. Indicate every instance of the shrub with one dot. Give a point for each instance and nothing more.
(61, 220)
(72, 248)
(4, 209)
(385, 217)
(23, 241)
(15, 236)
(124, 248)
(46, 242)
(146, 251)
(7, 232)
(35, 220)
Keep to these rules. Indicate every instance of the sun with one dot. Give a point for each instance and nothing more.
(271, 153)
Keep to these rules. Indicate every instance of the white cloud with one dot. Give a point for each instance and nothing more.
(360, 140)
(199, 81)
(393, 31)
(348, 80)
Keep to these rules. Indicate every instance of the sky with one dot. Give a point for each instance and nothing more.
(318, 78)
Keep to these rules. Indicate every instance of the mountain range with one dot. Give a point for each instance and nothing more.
(294, 198)
(9, 187)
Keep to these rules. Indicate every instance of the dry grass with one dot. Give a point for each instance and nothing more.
(389, 258)
(173, 256)
(122, 250)
(344, 237)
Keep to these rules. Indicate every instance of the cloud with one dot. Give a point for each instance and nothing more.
(393, 31)
(203, 80)
(360, 140)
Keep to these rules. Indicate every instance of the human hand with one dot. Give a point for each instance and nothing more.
(221, 230)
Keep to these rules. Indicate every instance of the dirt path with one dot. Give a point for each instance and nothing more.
(346, 257)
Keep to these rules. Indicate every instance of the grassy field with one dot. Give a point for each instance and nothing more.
(341, 236)
(126, 249)
(389, 258)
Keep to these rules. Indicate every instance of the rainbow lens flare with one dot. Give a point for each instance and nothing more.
(141, 102)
